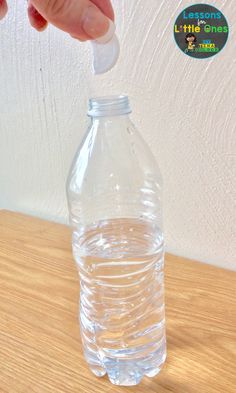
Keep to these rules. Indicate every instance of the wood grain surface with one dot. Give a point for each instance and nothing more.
(40, 349)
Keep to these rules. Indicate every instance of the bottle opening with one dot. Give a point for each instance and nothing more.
(109, 106)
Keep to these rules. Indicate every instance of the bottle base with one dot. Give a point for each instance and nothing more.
(125, 373)
(98, 371)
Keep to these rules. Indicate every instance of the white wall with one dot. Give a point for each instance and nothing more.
(185, 108)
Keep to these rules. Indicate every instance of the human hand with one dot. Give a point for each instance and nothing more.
(82, 19)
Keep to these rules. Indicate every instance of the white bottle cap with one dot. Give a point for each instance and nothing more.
(106, 50)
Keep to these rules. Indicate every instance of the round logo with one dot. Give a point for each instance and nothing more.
(201, 31)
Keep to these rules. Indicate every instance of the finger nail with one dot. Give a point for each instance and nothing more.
(36, 19)
(108, 35)
(3, 8)
(97, 25)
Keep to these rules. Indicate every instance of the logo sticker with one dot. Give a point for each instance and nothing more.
(201, 31)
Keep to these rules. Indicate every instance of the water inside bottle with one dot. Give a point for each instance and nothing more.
(120, 262)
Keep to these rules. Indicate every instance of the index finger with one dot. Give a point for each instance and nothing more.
(82, 19)
(106, 7)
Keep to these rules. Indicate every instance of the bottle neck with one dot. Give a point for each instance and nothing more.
(110, 119)
(108, 107)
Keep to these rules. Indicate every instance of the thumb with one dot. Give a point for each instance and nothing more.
(82, 19)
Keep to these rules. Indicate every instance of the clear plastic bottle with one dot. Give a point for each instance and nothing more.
(114, 197)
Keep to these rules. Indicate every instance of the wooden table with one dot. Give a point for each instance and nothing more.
(40, 348)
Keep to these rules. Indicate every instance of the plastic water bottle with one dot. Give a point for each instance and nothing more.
(114, 196)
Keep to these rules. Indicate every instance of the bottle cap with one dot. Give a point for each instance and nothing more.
(106, 50)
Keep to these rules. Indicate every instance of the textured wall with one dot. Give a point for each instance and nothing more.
(185, 108)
